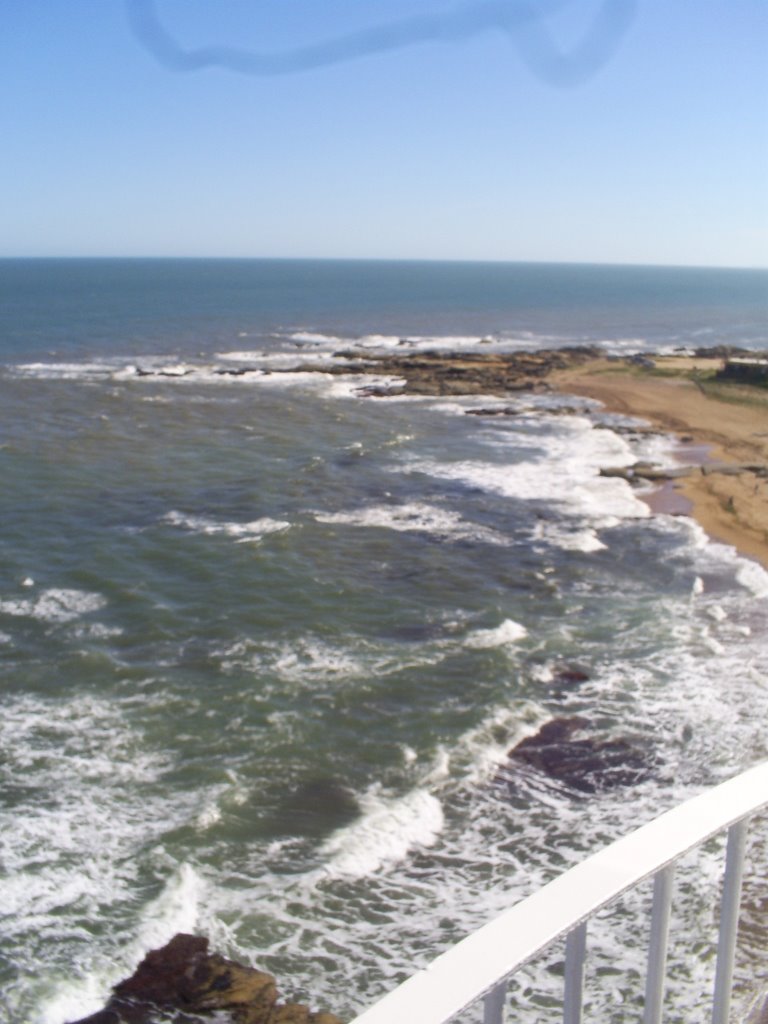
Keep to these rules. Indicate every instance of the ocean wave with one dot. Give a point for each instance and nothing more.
(416, 517)
(244, 533)
(174, 910)
(309, 660)
(316, 338)
(585, 539)
(55, 605)
(301, 660)
(753, 577)
(509, 632)
(389, 829)
(562, 471)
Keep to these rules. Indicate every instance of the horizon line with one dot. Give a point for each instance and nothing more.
(386, 259)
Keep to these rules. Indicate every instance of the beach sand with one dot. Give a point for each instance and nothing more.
(716, 423)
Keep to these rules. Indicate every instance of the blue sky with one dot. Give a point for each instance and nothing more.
(458, 147)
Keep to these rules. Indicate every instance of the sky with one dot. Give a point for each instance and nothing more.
(611, 131)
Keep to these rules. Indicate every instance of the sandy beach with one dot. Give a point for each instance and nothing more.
(715, 423)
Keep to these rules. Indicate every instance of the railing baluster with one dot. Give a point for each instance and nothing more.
(494, 1005)
(575, 953)
(729, 920)
(657, 946)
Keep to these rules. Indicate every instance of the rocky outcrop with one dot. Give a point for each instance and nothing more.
(421, 373)
(584, 762)
(648, 471)
(183, 983)
(461, 373)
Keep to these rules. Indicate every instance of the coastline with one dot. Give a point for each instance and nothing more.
(724, 428)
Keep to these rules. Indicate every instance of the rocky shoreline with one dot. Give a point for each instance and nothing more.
(460, 373)
(183, 983)
(724, 486)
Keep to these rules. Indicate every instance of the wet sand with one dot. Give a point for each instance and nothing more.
(715, 424)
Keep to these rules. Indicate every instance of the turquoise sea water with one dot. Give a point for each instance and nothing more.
(265, 642)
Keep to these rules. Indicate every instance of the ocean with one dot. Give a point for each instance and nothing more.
(266, 642)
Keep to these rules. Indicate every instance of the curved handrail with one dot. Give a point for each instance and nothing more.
(475, 965)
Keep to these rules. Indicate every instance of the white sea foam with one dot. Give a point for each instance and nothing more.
(312, 660)
(388, 342)
(753, 577)
(245, 533)
(55, 605)
(65, 371)
(174, 910)
(306, 659)
(316, 338)
(389, 829)
(85, 804)
(721, 558)
(96, 631)
(564, 473)
(354, 385)
(416, 517)
(710, 642)
(585, 539)
(481, 749)
(261, 360)
(509, 632)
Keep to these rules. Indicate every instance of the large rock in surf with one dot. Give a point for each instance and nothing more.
(183, 983)
(587, 763)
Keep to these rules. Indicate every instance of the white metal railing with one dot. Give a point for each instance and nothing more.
(481, 965)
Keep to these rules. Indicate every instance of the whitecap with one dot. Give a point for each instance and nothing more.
(509, 632)
(415, 517)
(55, 605)
(753, 577)
(563, 470)
(250, 532)
(389, 829)
(316, 338)
(585, 540)
(174, 910)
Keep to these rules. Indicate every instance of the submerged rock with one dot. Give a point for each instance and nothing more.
(587, 763)
(570, 675)
(183, 983)
(316, 807)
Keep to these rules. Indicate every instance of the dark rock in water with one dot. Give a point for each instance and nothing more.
(316, 807)
(588, 764)
(570, 675)
(183, 983)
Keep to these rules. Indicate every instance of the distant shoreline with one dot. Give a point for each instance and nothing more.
(722, 426)
(715, 423)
